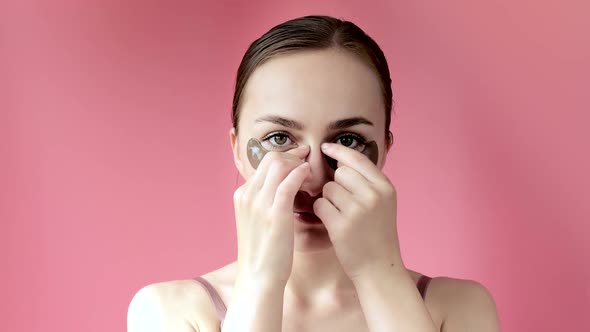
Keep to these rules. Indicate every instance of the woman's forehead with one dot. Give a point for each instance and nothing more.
(318, 86)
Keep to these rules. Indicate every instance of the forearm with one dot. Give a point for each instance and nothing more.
(255, 307)
(391, 302)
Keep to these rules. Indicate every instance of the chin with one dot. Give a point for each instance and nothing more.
(312, 240)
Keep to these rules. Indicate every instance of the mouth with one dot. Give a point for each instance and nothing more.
(308, 218)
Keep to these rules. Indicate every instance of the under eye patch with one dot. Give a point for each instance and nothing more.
(256, 152)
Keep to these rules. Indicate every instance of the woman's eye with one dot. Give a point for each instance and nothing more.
(351, 141)
(277, 140)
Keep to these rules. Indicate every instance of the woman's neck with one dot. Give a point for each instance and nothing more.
(318, 277)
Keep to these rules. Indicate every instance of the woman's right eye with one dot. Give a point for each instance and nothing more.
(277, 141)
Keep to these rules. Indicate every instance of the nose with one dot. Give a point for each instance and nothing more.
(320, 172)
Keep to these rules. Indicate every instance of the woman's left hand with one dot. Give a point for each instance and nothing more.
(359, 210)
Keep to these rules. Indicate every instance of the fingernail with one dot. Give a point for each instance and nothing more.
(325, 146)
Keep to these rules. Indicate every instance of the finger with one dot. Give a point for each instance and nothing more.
(353, 181)
(278, 171)
(327, 212)
(353, 159)
(288, 188)
(299, 152)
(340, 198)
(257, 180)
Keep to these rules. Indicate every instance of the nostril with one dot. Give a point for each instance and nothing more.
(331, 162)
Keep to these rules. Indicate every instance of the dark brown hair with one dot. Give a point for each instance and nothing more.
(314, 33)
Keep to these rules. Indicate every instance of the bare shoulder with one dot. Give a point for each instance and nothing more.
(178, 305)
(465, 305)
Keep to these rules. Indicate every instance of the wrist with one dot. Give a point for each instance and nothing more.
(259, 284)
(377, 270)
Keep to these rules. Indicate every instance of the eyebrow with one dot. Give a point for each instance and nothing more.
(281, 121)
(349, 122)
(335, 125)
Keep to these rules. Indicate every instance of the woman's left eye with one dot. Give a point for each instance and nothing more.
(351, 141)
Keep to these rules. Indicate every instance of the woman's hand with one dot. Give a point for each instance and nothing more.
(264, 217)
(359, 210)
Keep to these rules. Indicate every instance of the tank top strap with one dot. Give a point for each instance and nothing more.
(423, 285)
(220, 307)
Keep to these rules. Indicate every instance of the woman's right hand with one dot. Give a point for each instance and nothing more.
(264, 217)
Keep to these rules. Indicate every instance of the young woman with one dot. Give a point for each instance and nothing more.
(316, 218)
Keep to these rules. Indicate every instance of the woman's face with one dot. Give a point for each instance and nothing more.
(307, 98)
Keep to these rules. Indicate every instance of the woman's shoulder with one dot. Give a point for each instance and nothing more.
(450, 290)
(460, 303)
(455, 292)
(175, 305)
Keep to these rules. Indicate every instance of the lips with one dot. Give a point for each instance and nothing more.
(303, 211)
(308, 217)
(303, 208)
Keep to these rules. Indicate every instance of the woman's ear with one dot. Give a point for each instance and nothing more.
(389, 142)
(233, 139)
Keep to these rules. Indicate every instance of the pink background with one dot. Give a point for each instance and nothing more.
(108, 109)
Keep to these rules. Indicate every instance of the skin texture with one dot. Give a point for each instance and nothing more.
(345, 274)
